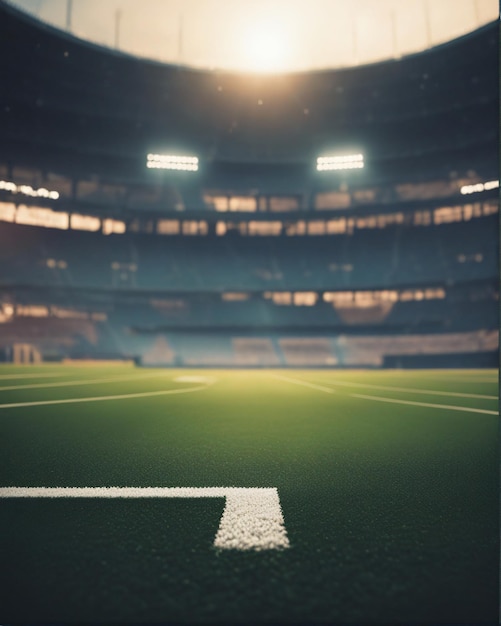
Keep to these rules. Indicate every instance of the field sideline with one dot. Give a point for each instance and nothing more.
(374, 495)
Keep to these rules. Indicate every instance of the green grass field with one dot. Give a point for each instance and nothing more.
(388, 484)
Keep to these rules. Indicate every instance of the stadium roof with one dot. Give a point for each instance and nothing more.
(266, 35)
(65, 94)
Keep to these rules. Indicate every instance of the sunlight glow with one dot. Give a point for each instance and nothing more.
(265, 49)
(266, 35)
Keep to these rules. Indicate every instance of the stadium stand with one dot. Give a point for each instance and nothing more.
(307, 352)
(454, 252)
(255, 260)
(250, 351)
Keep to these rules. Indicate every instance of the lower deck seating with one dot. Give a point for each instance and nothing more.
(308, 352)
(255, 352)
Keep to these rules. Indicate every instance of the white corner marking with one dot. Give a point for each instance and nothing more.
(252, 518)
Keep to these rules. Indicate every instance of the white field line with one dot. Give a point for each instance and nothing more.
(461, 377)
(427, 404)
(441, 370)
(193, 379)
(14, 376)
(426, 392)
(252, 518)
(87, 381)
(125, 396)
(472, 381)
(304, 383)
(478, 374)
(364, 397)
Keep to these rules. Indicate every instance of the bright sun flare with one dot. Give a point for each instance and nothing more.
(265, 49)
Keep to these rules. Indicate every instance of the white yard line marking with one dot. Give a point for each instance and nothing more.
(13, 376)
(427, 404)
(427, 392)
(194, 379)
(476, 381)
(297, 381)
(462, 377)
(98, 398)
(364, 397)
(252, 518)
(87, 381)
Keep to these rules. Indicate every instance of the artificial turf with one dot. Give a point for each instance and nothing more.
(391, 509)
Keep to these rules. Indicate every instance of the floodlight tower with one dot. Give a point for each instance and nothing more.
(69, 11)
(337, 168)
(340, 162)
(172, 162)
(426, 9)
(180, 40)
(118, 17)
(181, 168)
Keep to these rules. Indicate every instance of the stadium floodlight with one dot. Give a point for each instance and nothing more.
(490, 184)
(172, 162)
(27, 190)
(340, 162)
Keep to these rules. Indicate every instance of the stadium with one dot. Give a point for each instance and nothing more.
(249, 336)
